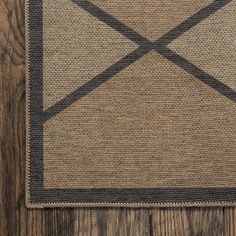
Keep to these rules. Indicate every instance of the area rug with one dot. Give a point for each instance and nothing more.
(131, 103)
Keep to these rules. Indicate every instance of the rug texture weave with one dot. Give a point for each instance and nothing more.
(131, 103)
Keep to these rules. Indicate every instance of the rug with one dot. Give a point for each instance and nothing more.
(131, 103)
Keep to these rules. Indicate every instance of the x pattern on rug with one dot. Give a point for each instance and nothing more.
(145, 46)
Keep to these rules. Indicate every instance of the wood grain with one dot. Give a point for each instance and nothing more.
(188, 221)
(15, 219)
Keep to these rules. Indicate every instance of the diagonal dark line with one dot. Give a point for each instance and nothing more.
(145, 47)
(191, 22)
(112, 22)
(197, 73)
(95, 82)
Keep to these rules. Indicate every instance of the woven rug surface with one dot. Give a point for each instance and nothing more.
(131, 103)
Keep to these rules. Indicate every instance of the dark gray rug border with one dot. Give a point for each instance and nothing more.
(40, 195)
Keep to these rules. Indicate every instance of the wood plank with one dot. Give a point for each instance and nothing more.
(35, 223)
(12, 100)
(188, 221)
(169, 222)
(112, 221)
(229, 221)
(59, 221)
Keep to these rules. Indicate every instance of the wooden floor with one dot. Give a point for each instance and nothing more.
(15, 219)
